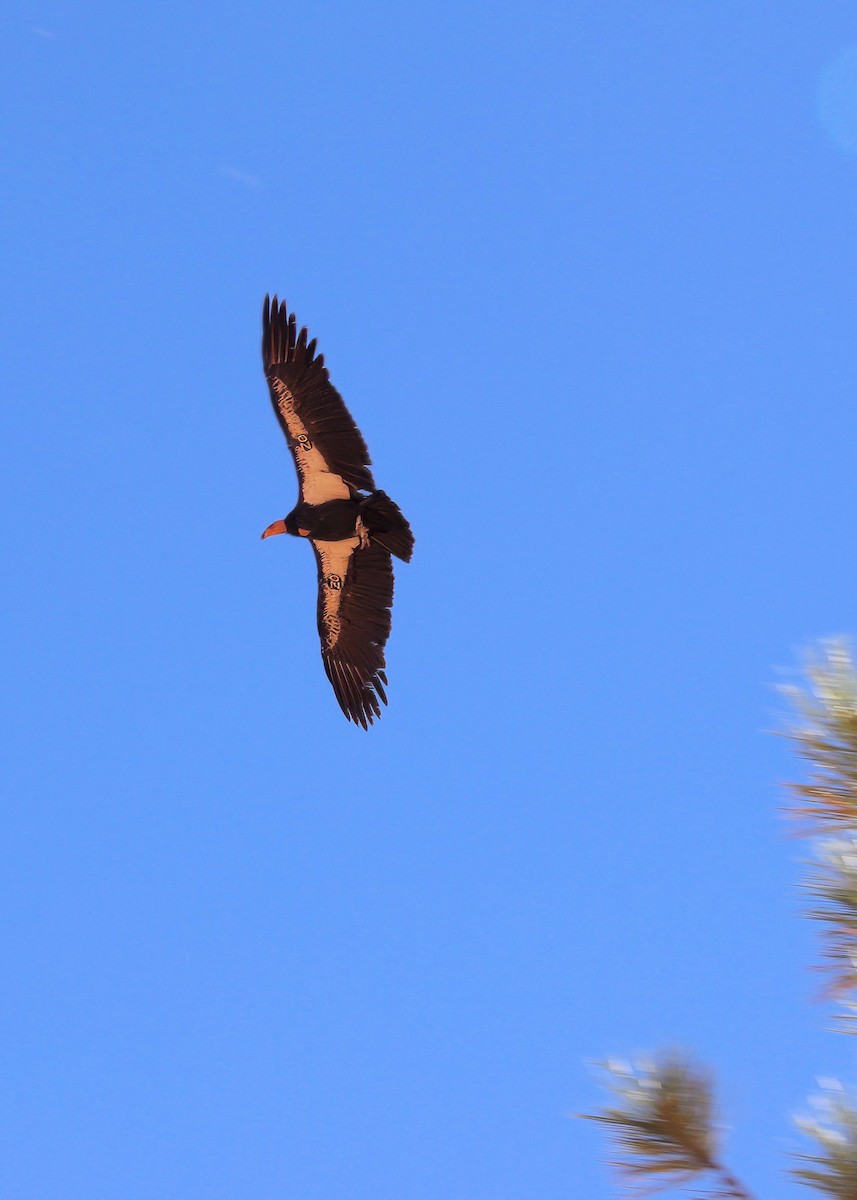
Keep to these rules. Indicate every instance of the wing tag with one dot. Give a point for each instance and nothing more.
(303, 442)
(334, 582)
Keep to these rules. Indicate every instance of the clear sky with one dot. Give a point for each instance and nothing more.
(585, 273)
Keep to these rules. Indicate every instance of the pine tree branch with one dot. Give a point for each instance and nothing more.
(832, 1169)
(824, 733)
(661, 1121)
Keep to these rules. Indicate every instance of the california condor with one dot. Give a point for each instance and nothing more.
(352, 527)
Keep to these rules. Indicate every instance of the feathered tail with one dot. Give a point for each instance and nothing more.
(386, 525)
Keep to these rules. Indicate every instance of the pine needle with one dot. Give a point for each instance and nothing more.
(661, 1121)
(824, 732)
(825, 735)
(832, 1170)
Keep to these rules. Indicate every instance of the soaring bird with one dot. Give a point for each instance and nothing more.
(352, 527)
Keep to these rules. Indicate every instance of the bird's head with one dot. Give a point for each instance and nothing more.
(288, 524)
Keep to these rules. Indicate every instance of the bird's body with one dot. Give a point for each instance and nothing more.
(353, 527)
(329, 522)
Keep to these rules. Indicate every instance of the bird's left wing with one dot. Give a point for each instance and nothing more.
(329, 451)
(355, 594)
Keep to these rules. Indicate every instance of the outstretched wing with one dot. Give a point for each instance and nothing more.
(328, 448)
(355, 593)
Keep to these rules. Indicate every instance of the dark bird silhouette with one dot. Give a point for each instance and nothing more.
(353, 528)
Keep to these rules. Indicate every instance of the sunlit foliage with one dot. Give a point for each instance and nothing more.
(660, 1113)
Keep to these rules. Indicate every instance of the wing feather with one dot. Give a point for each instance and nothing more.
(355, 594)
(330, 454)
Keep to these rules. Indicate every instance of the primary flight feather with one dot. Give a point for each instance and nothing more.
(353, 528)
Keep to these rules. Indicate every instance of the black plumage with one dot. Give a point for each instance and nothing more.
(354, 528)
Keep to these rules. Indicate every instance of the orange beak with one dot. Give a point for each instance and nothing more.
(275, 527)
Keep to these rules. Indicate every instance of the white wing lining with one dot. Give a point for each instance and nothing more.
(335, 558)
(318, 484)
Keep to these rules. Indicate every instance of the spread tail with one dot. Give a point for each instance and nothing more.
(386, 525)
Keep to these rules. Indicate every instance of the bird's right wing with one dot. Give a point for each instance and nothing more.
(329, 451)
(355, 594)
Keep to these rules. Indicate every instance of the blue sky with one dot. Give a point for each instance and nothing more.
(585, 274)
